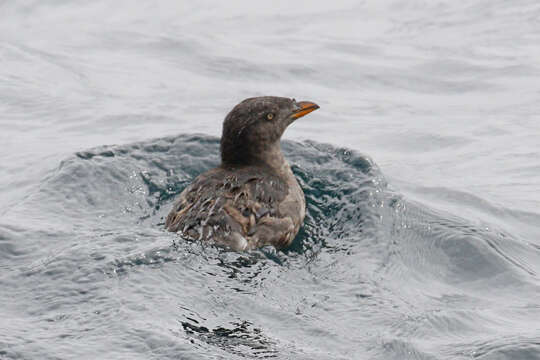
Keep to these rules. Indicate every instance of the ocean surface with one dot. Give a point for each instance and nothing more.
(421, 172)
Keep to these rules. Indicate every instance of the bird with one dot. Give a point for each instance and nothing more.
(252, 199)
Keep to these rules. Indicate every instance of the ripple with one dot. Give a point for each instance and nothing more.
(369, 266)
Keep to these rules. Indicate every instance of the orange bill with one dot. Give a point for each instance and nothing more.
(305, 108)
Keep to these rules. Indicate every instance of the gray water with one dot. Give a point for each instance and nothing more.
(422, 236)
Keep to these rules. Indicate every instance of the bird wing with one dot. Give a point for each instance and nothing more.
(239, 209)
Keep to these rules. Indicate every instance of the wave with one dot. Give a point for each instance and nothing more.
(92, 235)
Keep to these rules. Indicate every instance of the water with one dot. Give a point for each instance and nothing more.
(421, 239)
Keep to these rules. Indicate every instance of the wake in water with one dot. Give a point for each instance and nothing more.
(370, 272)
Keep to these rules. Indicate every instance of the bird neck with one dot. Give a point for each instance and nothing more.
(274, 159)
(270, 157)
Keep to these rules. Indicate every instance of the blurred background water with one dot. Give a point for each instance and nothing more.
(425, 247)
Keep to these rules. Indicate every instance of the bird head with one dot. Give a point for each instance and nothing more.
(255, 126)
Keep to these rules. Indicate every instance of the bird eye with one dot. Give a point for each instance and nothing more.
(270, 116)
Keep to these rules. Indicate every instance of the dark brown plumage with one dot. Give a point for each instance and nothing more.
(252, 199)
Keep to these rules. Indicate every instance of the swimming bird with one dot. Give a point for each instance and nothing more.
(253, 198)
